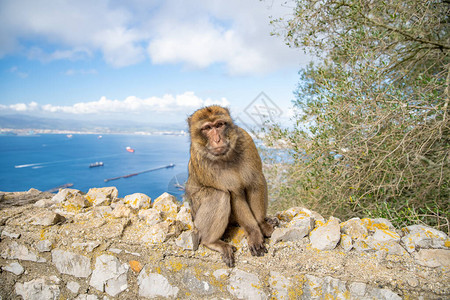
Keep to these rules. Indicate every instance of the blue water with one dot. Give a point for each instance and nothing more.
(50, 160)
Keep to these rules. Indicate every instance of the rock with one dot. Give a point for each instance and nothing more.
(102, 196)
(384, 235)
(86, 246)
(184, 217)
(135, 266)
(327, 236)
(236, 235)
(378, 223)
(73, 286)
(102, 211)
(167, 205)
(423, 237)
(44, 203)
(14, 268)
(318, 288)
(156, 234)
(138, 201)
(288, 234)
(150, 216)
(302, 221)
(346, 242)
(15, 250)
(87, 297)
(244, 285)
(280, 285)
(188, 240)
(433, 257)
(47, 218)
(389, 247)
(196, 285)
(72, 264)
(66, 195)
(152, 285)
(121, 211)
(354, 228)
(109, 275)
(9, 233)
(221, 274)
(290, 213)
(44, 246)
(38, 289)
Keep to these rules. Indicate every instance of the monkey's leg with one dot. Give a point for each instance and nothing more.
(211, 220)
(257, 200)
(244, 216)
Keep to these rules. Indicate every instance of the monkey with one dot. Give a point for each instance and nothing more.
(225, 183)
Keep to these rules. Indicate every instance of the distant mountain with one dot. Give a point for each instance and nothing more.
(22, 121)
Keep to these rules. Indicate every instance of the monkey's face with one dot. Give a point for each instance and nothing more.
(217, 140)
(211, 131)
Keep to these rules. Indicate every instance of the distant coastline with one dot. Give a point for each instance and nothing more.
(35, 131)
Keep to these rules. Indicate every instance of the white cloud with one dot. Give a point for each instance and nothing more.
(198, 33)
(168, 103)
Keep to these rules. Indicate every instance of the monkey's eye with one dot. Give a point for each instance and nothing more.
(207, 127)
(220, 124)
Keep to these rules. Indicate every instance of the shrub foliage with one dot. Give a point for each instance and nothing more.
(372, 132)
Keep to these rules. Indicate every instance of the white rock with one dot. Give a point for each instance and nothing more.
(44, 246)
(109, 275)
(46, 218)
(433, 257)
(423, 237)
(138, 201)
(87, 246)
(156, 234)
(327, 236)
(102, 196)
(185, 218)
(72, 264)
(9, 233)
(354, 228)
(167, 205)
(288, 234)
(66, 194)
(121, 211)
(151, 216)
(152, 285)
(44, 203)
(102, 211)
(73, 286)
(38, 289)
(221, 273)
(357, 289)
(280, 285)
(86, 297)
(317, 287)
(384, 235)
(389, 247)
(188, 240)
(346, 242)
(244, 285)
(15, 250)
(14, 268)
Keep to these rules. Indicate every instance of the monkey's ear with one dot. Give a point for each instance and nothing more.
(189, 121)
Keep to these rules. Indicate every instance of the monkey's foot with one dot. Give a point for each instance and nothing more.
(226, 250)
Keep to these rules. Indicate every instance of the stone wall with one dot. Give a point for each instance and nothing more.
(97, 246)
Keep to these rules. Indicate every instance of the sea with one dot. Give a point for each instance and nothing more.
(49, 161)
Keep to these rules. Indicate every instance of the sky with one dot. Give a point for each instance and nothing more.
(153, 61)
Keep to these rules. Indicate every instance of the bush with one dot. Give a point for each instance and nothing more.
(372, 132)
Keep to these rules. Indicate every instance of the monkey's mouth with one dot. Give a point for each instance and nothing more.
(217, 151)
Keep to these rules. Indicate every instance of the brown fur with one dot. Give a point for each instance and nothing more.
(226, 182)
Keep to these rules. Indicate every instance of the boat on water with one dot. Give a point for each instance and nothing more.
(96, 164)
(129, 149)
(69, 136)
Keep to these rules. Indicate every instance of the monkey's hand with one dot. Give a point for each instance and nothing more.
(256, 244)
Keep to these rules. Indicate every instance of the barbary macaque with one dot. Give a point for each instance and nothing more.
(226, 183)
